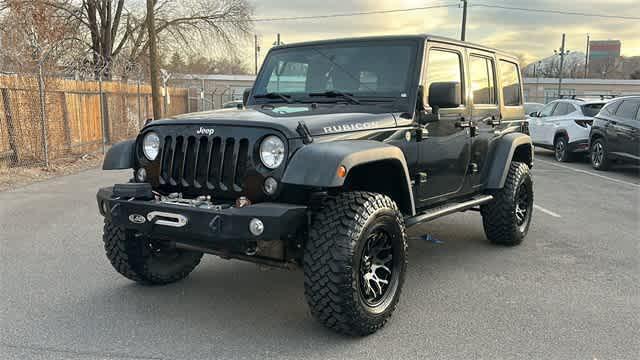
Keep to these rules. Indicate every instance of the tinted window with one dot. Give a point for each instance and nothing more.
(627, 109)
(482, 81)
(591, 110)
(547, 110)
(376, 69)
(444, 66)
(562, 109)
(610, 108)
(510, 77)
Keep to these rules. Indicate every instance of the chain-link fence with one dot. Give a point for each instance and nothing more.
(47, 118)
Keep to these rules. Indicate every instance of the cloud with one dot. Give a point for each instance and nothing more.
(532, 35)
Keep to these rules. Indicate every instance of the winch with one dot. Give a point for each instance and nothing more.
(202, 202)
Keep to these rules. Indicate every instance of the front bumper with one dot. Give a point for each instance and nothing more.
(225, 229)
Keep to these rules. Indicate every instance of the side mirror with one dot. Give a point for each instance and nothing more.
(534, 114)
(245, 96)
(445, 95)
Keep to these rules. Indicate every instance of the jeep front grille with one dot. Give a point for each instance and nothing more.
(204, 163)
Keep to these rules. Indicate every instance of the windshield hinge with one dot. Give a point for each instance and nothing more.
(303, 130)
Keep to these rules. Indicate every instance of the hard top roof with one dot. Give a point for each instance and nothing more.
(426, 37)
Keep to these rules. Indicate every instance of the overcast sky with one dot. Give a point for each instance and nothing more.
(534, 35)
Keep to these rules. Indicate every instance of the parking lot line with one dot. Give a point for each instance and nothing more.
(548, 212)
(589, 173)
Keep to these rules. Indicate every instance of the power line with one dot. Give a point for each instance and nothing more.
(552, 11)
(360, 13)
(374, 12)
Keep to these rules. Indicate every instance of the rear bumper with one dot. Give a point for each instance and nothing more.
(226, 229)
(578, 146)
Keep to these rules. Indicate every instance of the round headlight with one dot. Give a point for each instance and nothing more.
(151, 146)
(272, 151)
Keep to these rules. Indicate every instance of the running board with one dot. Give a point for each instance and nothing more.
(444, 210)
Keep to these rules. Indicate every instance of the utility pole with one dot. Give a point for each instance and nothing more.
(278, 40)
(256, 51)
(463, 35)
(586, 58)
(153, 61)
(562, 54)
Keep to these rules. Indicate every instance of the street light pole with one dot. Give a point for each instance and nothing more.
(463, 34)
(586, 58)
(562, 54)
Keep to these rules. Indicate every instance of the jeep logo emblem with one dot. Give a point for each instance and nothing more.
(137, 219)
(205, 131)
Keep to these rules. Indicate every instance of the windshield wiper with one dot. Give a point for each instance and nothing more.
(334, 93)
(274, 95)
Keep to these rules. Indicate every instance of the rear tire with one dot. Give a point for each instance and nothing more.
(507, 218)
(599, 155)
(137, 259)
(354, 262)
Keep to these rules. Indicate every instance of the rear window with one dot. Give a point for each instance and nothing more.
(591, 110)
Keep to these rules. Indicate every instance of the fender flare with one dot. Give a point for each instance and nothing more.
(316, 165)
(504, 150)
(120, 156)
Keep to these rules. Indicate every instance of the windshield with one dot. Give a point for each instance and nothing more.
(372, 69)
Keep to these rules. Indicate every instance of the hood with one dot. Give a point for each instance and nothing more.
(319, 121)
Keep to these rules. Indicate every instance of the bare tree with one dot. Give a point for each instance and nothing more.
(113, 29)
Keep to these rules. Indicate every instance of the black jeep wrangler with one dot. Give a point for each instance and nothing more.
(341, 146)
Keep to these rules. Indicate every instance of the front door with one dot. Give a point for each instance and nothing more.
(626, 129)
(443, 153)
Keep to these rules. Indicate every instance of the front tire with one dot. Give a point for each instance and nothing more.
(355, 261)
(599, 155)
(507, 218)
(139, 259)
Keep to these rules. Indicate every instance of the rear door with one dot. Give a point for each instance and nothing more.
(485, 111)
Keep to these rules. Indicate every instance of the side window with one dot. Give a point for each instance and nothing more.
(638, 115)
(510, 78)
(482, 81)
(547, 110)
(627, 109)
(444, 66)
(561, 109)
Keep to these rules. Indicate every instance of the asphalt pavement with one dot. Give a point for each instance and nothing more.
(571, 291)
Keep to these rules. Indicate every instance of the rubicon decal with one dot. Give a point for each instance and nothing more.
(205, 131)
(350, 127)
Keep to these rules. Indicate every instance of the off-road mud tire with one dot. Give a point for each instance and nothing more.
(499, 217)
(131, 256)
(332, 258)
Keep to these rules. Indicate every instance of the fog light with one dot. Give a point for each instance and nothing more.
(141, 175)
(270, 186)
(256, 227)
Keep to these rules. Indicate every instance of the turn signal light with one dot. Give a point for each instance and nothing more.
(342, 171)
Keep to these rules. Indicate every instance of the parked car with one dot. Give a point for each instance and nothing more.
(325, 174)
(531, 108)
(563, 126)
(615, 133)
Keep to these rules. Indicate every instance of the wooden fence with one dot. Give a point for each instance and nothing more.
(74, 121)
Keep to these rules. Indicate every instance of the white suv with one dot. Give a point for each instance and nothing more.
(564, 126)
